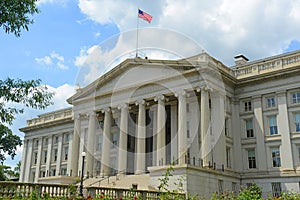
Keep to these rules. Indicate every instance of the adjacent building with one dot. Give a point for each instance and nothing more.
(221, 127)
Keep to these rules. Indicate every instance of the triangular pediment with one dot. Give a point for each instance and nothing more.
(132, 73)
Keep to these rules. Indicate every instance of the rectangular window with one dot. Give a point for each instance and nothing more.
(46, 141)
(55, 139)
(270, 102)
(296, 97)
(36, 143)
(276, 157)
(299, 154)
(35, 158)
(66, 153)
(55, 155)
(115, 140)
(276, 189)
(66, 137)
(228, 157)
(251, 159)
(45, 156)
(273, 125)
(99, 144)
(297, 122)
(63, 171)
(188, 129)
(249, 128)
(187, 107)
(226, 127)
(234, 188)
(220, 186)
(248, 106)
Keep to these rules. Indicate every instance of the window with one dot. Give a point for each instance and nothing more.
(115, 140)
(99, 145)
(188, 129)
(55, 139)
(35, 158)
(226, 127)
(297, 122)
(187, 107)
(276, 189)
(251, 159)
(45, 156)
(66, 137)
(296, 97)
(299, 153)
(66, 149)
(234, 188)
(248, 106)
(228, 157)
(220, 186)
(249, 128)
(36, 143)
(270, 102)
(53, 173)
(276, 157)
(46, 141)
(273, 125)
(63, 171)
(55, 155)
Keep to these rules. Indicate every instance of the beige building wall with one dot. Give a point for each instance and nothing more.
(222, 127)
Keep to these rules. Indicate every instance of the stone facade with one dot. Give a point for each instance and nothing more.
(221, 127)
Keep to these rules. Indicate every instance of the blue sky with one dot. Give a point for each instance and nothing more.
(72, 37)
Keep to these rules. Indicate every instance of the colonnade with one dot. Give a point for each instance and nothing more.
(160, 132)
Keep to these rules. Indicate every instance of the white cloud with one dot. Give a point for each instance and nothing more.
(98, 59)
(53, 59)
(44, 61)
(224, 27)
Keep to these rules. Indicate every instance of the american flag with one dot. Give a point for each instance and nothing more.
(145, 16)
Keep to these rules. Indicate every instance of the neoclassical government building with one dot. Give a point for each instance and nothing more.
(220, 127)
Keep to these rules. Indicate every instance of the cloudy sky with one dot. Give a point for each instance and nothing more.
(73, 42)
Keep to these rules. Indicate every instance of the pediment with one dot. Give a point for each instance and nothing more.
(132, 73)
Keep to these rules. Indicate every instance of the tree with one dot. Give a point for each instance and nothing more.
(15, 15)
(27, 93)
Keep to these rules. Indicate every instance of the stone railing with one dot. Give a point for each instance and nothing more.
(18, 190)
(15, 190)
(267, 66)
(58, 115)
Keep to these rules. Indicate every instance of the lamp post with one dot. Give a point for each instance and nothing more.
(82, 172)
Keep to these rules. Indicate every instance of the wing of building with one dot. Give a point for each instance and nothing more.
(221, 127)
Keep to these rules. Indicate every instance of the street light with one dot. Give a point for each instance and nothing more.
(82, 170)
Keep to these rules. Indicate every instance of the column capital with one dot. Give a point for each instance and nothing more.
(159, 97)
(138, 102)
(207, 88)
(91, 113)
(106, 110)
(122, 106)
(180, 93)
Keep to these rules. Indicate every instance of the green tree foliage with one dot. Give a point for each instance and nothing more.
(15, 15)
(27, 93)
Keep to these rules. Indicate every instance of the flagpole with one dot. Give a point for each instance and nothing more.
(137, 35)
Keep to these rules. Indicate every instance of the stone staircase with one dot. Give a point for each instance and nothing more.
(121, 182)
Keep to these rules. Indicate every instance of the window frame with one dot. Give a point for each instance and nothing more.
(276, 158)
(270, 102)
(248, 106)
(273, 126)
(251, 159)
(296, 97)
(249, 132)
